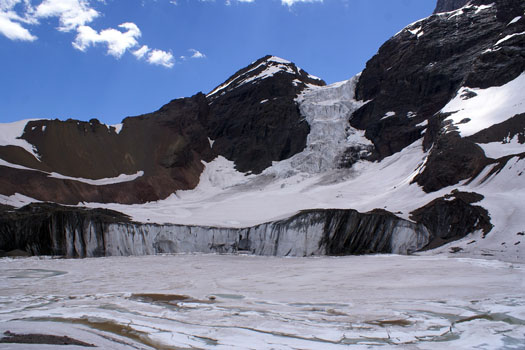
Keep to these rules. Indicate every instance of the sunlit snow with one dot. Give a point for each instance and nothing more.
(501, 149)
(10, 134)
(490, 106)
(98, 182)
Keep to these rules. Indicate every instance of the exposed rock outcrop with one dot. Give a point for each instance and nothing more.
(419, 70)
(452, 217)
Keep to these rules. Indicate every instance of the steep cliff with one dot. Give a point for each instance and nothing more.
(45, 229)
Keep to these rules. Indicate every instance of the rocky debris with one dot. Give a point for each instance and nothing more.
(43, 339)
(15, 253)
(452, 217)
(254, 118)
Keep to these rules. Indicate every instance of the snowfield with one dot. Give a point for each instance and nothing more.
(250, 302)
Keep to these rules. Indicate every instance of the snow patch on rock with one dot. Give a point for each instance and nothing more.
(100, 182)
(272, 66)
(11, 133)
(490, 106)
(497, 150)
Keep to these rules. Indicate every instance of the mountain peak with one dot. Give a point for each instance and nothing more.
(263, 68)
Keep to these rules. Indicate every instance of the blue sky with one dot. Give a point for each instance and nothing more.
(108, 59)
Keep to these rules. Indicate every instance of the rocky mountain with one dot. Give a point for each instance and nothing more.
(425, 147)
(251, 119)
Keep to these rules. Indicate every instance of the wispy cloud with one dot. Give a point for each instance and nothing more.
(293, 2)
(157, 57)
(14, 30)
(118, 42)
(11, 23)
(196, 54)
(71, 13)
(140, 53)
(229, 2)
(78, 16)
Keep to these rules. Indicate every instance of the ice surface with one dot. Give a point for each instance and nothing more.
(490, 106)
(10, 134)
(246, 302)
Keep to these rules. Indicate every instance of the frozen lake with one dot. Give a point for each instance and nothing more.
(251, 302)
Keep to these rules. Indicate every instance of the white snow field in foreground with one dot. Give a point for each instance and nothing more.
(250, 302)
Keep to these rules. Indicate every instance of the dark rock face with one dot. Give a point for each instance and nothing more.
(48, 339)
(419, 70)
(452, 217)
(502, 132)
(167, 145)
(254, 119)
(42, 229)
(349, 232)
(449, 5)
(452, 158)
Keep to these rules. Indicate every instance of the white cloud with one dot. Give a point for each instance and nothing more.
(229, 2)
(196, 54)
(156, 57)
(76, 16)
(14, 30)
(292, 2)
(161, 58)
(140, 53)
(118, 42)
(71, 13)
(11, 23)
